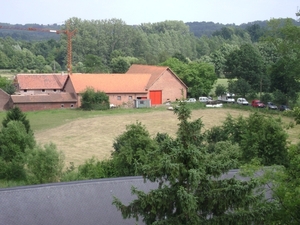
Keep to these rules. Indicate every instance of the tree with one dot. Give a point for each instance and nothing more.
(14, 141)
(284, 73)
(259, 137)
(239, 87)
(248, 64)
(17, 115)
(131, 149)
(92, 100)
(285, 189)
(190, 190)
(220, 90)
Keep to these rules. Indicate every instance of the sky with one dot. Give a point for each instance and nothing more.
(135, 12)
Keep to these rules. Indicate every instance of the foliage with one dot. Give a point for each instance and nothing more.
(14, 141)
(91, 100)
(16, 114)
(95, 169)
(7, 85)
(259, 137)
(131, 149)
(190, 190)
(247, 63)
(220, 90)
(285, 188)
(44, 164)
(199, 77)
(119, 65)
(284, 73)
(240, 87)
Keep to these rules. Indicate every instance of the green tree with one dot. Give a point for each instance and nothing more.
(44, 164)
(92, 100)
(14, 141)
(190, 190)
(119, 65)
(220, 90)
(248, 64)
(131, 149)
(284, 73)
(259, 137)
(17, 115)
(239, 87)
(285, 189)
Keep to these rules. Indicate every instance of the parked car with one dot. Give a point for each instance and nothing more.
(204, 99)
(227, 97)
(270, 105)
(191, 100)
(257, 104)
(242, 101)
(283, 108)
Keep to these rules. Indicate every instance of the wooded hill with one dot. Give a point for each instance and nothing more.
(197, 28)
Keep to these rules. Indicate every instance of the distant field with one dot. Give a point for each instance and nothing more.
(222, 81)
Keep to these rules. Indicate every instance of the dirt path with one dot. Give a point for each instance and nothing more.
(82, 139)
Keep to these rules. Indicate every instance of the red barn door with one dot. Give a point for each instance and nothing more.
(156, 97)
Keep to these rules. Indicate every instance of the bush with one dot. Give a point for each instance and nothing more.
(45, 164)
(92, 100)
(94, 169)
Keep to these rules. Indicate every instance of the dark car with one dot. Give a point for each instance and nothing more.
(283, 108)
(257, 104)
(271, 105)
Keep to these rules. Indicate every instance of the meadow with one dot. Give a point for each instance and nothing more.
(84, 134)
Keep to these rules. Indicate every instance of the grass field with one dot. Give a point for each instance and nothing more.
(82, 135)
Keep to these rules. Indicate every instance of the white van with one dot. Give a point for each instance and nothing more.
(203, 99)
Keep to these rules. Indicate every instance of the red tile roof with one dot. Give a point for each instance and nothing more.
(111, 83)
(41, 81)
(44, 98)
(155, 71)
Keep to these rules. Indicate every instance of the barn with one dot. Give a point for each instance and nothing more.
(157, 83)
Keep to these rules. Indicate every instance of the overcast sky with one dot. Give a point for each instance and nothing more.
(135, 12)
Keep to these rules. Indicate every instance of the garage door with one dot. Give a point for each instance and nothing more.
(156, 97)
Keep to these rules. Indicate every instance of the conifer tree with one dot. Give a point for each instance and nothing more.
(190, 188)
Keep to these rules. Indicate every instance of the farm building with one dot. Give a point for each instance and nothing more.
(157, 83)
(34, 84)
(41, 91)
(52, 91)
(164, 85)
(122, 89)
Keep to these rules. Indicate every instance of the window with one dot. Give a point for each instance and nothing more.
(43, 90)
(25, 90)
(54, 90)
(118, 97)
(72, 106)
(62, 106)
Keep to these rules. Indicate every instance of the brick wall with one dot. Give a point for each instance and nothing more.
(44, 106)
(170, 86)
(4, 100)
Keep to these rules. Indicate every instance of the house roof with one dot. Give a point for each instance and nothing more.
(41, 81)
(111, 83)
(81, 202)
(44, 98)
(155, 71)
